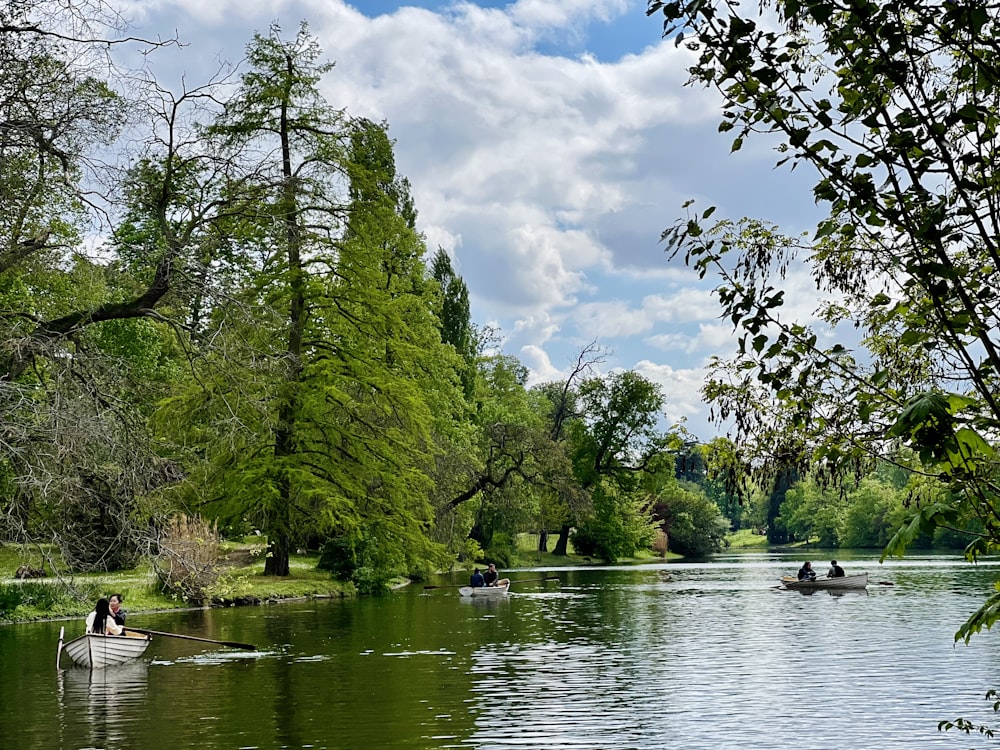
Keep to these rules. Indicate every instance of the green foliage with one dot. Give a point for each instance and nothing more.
(874, 511)
(502, 549)
(692, 522)
(33, 599)
(968, 727)
(619, 527)
(809, 512)
(904, 350)
(11, 597)
(339, 556)
(41, 595)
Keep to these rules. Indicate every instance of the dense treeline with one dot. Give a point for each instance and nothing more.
(239, 321)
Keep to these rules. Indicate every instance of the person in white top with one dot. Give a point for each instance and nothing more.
(102, 613)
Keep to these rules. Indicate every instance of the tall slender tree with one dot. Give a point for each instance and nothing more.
(323, 389)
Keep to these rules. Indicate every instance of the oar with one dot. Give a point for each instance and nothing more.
(465, 585)
(534, 580)
(456, 586)
(231, 644)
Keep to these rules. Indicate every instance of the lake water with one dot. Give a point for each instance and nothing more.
(678, 656)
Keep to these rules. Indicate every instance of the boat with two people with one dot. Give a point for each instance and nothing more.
(97, 650)
(856, 581)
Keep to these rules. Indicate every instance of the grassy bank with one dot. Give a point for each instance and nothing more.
(527, 555)
(74, 595)
(746, 539)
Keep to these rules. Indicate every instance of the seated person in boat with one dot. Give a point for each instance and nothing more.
(115, 601)
(476, 580)
(806, 572)
(835, 570)
(492, 577)
(100, 620)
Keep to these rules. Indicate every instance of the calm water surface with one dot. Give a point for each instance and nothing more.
(671, 656)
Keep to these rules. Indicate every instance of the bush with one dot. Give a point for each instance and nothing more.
(10, 598)
(693, 523)
(502, 550)
(40, 595)
(339, 556)
(188, 560)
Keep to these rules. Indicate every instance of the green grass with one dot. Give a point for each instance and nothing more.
(745, 538)
(13, 556)
(74, 595)
(528, 555)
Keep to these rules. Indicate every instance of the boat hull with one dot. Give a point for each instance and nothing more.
(483, 591)
(858, 581)
(97, 651)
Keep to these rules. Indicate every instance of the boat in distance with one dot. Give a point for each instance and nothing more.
(484, 591)
(97, 651)
(857, 581)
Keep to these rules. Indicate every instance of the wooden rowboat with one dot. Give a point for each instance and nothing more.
(97, 651)
(858, 581)
(484, 591)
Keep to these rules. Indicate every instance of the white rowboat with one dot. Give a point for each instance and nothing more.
(858, 581)
(484, 591)
(97, 651)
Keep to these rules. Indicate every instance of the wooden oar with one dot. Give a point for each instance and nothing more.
(512, 582)
(231, 644)
(533, 580)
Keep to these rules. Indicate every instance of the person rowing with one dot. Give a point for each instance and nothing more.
(492, 577)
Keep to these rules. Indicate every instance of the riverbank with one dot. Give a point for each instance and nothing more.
(64, 596)
(241, 583)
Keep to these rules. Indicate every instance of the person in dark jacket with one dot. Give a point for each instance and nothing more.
(115, 602)
(806, 572)
(493, 578)
(476, 580)
(835, 570)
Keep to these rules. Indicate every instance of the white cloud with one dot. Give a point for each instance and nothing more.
(682, 391)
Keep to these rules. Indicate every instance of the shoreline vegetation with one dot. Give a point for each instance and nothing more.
(241, 582)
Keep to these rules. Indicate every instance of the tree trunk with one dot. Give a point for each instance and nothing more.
(543, 541)
(276, 563)
(782, 482)
(563, 542)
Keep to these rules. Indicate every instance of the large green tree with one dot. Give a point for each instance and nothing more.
(614, 440)
(894, 106)
(318, 399)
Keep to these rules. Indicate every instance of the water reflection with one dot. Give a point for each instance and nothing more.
(105, 700)
(831, 592)
(485, 602)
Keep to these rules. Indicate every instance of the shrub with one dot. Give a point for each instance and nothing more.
(502, 550)
(10, 598)
(339, 556)
(40, 595)
(188, 560)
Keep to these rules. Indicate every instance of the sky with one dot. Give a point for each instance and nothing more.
(548, 144)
